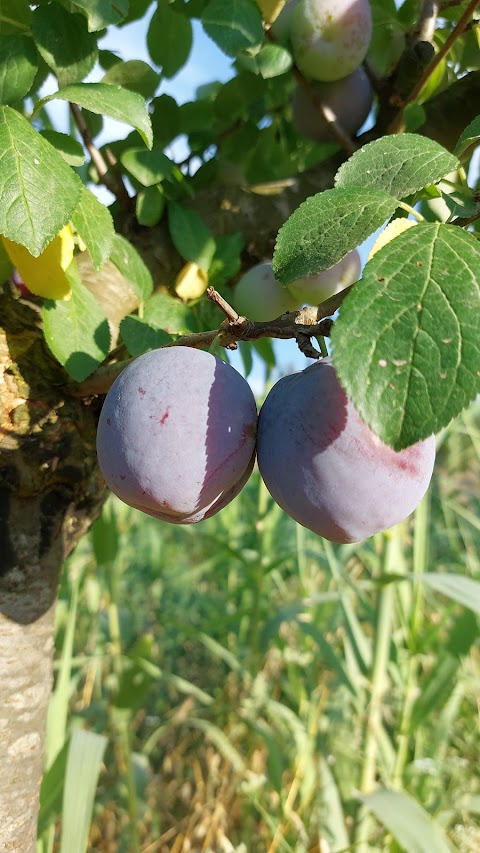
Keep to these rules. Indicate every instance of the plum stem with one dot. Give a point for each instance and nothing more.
(335, 128)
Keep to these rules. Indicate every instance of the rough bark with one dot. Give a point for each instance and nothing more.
(50, 491)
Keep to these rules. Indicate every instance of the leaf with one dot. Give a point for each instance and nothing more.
(165, 312)
(392, 230)
(169, 39)
(406, 344)
(45, 275)
(77, 331)
(69, 148)
(51, 791)
(464, 590)
(227, 259)
(273, 60)
(139, 336)
(191, 282)
(112, 101)
(190, 236)
(234, 25)
(84, 760)
(95, 227)
(38, 189)
(132, 267)
(149, 206)
(398, 165)
(148, 167)
(18, 66)
(325, 227)
(101, 13)
(413, 828)
(15, 17)
(469, 137)
(135, 75)
(64, 42)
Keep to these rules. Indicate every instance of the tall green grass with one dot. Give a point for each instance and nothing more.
(258, 689)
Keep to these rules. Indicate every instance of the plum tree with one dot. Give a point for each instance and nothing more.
(350, 100)
(330, 38)
(259, 296)
(314, 289)
(176, 435)
(341, 481)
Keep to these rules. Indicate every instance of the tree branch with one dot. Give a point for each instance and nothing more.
(301, 325)
(396, 125)
(112, 182)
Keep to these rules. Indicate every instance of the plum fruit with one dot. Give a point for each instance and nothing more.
(326, 468)
(330, 38)
(350, 100)
(314, 289)
(259, 296)
(176, 434)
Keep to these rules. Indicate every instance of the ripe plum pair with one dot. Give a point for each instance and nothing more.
(177, 440)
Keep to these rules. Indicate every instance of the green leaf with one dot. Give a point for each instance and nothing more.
(70, 149)
(148, 167)
(234, 25)
(112, 101)
(190, 236)
(15, 17)
(39, 190)
(464, 590)
(6, 266)
(226, 261)
(273, 60)
(64, 43)
(95, 227)
(149, 206)
(413, 828)
(169, 39)
(165, 120)
(130, 264)
(139, 337)
(135, 75)
(327, 226)
(101, 13)
(76, 331)
(51, 791)
(166, 312)
(18, 66)
(406, 344)
(84, 761)
(469, 137)
(399, 165)
(105, 535)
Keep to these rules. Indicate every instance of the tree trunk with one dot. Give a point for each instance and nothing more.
(50, 492)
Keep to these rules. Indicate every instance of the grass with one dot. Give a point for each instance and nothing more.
(262, 690)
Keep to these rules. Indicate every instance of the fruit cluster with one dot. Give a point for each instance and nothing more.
(179, 432)
(329, 40)
(259, 296)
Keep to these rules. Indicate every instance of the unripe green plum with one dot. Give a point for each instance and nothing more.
(314, 289)
(259, 296)
(326, 468)
(330, 38)
(349, 99)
